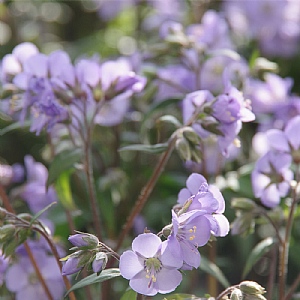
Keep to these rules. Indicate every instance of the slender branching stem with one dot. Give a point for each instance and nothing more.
(146, 191)
(10, 209)
(293, 288)
(283, 259)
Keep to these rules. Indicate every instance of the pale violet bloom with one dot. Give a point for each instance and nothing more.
(22, 280)
(151, 265)
(190, 231)
(271, 177)
(206, 198)
(288, 140)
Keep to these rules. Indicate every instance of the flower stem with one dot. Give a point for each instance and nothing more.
(292, 289)
(146, 191)
(283, 259)
(10, 209)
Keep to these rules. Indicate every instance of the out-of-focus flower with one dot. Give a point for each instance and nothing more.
(3, 267)
(288, 140)
(34, 191)
(267, 95)
(271, 177)
(22, 280)
(11, 174)
(274, 24)
(212, 33)
(12, 64)
(151, 266)
(222, 116)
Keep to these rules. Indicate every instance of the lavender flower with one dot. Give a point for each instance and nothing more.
(151, 266)
(22, 280)
(266, 95)
(34, 190)
(3, 267)
(271, 177)
(287, 141)
(190, 231)
(222, 116)
(207, 198)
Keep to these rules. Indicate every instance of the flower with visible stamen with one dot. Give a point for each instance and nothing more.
(151, 266)
(190, 231)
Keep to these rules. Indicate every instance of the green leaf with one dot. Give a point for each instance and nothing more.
(170, 119)
(36, 216)
(258, 251)
(129, 295)
(105, 275)
(157, 148)
(14, 126)
(63, 189)
(62, 162)
(154, 109)
(181, 297)
(214, 271)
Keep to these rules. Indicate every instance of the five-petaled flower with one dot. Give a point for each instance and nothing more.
(151, 265)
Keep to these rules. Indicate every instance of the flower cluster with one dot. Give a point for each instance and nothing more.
(89, 253)
(222, 115)
(52, 90)
(152, 266)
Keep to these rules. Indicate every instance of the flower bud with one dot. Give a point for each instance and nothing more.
(243, 204)
(251, 288)
(167, 230)
(236, 295)
(84, 240)
(3, 213)
(71, 266)
(7, 232)
(99, 262)
(183, 148)
(190, 134)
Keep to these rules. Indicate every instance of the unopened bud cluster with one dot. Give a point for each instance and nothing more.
(89, 253)
(188, 144)
(248, 290)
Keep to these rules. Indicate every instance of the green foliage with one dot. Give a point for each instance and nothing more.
(92, 279)
(257, 252)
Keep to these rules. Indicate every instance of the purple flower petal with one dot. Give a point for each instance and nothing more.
(171, 254)
(146, 244)
(140, 284)
(292, 132)
(168, 280)
(130, 264)
(16, 271)
(277, 140)
(194, 182)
